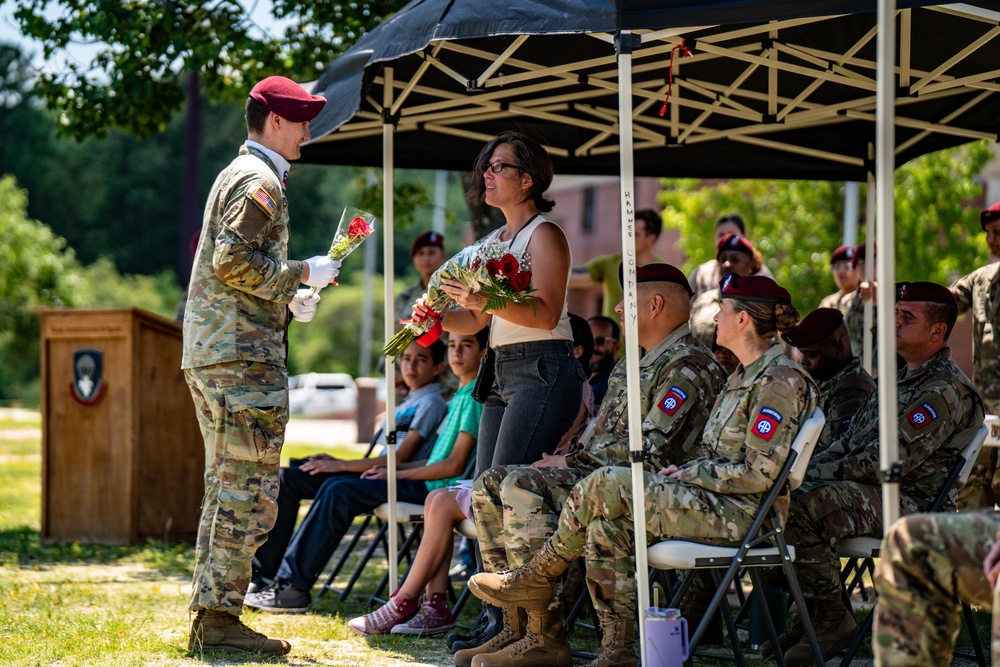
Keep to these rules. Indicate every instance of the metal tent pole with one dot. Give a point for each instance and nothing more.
(389, 273)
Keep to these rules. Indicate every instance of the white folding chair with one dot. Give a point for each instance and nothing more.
(763, 546)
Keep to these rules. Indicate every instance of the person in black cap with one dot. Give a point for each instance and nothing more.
(242, 293)
(679, 380)
(844, 275)
(825, 349)
(427, 254)
(979, 292)
(939, 412)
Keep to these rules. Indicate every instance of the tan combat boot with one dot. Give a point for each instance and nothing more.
(835, 630)
(786, 640)
(543, 645)
(530, 586)
(617, 643)
(215, 631)
(514, 621)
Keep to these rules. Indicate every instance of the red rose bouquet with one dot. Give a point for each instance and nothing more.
(502, 276)
(354, 227)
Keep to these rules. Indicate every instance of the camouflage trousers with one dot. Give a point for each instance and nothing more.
(931, 563)
(596, 522)
(516, 509)
(982, 489)
(242, 409)
(821, 514)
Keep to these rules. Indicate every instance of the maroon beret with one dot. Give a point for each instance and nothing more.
(924, 291)
(734, 242)
(989, 214)
(844, 253)
(427, 239)
(657, 273)
(859, 253)
(287, 99)
(814, 327)
(753, 288)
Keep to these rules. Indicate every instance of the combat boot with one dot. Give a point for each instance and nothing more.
(543, 645)
(786, 640)
(694, 606)
(617, 643)
(530, 586)
(215, 631)
(513, 629)
(835, 628)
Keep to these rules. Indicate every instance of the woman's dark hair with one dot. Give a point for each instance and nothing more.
(734, 218)
(483, 337)
(256, 115)
(584, 337)
(768, 317)
(531, 159)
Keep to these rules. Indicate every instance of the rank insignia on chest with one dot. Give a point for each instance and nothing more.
(263, 200)
(767, 423)
(674, 399)
(922, 416)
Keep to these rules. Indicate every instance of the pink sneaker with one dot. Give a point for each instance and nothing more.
(399, 609)
(434, 618)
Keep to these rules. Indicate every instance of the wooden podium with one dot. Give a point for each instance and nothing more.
(122, 453)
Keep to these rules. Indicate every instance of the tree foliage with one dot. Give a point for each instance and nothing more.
(142, 50)
(796, 224)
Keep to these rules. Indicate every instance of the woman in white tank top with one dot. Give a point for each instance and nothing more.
(537, 390)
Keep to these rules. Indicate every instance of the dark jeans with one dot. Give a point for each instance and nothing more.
(337, 500)
(535, 398)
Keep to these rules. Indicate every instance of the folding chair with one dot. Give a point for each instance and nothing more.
(763, 546)
(862, 551)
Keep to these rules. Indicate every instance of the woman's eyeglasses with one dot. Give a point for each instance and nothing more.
(601, 340)
(499, 166)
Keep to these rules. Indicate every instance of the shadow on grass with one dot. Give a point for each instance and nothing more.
(22, 546)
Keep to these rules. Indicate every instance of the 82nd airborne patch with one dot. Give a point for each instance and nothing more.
(673, 401)
(767, 423)
(922, 416)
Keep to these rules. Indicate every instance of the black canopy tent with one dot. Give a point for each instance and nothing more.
(768, 90)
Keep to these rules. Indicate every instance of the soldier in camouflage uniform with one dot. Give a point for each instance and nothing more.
(825, 349)
(517, 507)
(734, 254)
(939, 412)
(845, 275)
(242, 288)
(930, 565)
(713, 497)
(980, 292)
(853, 307)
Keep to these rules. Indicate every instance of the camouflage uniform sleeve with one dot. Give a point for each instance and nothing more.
(928, 421)
(963, 290)
(773, 411)
(841, 408)
(251, 210)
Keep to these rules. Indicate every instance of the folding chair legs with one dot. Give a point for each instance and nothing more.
(344, 556)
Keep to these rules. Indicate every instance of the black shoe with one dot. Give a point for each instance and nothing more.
(453, 637)
(281, 598)
(482, 632)
(257, 584)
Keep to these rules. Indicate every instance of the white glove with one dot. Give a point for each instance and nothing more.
(303, 305)
(322, 271)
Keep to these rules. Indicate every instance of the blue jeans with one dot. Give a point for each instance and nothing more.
(339, 499)
(536, 397)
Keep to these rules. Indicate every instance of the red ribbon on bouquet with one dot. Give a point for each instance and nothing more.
(427, 339)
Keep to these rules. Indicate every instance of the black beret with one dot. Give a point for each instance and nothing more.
(814, 327)
(924, 291)
(287, 99)
(657, 273)
(734, 242)
(426, 239)
(989, 214)
(844, 253)
(753, 288)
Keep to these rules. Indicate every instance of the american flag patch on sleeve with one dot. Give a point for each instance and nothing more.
(263, 200)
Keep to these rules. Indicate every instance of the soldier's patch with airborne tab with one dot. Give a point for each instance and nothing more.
(673, 401)
(264, 200)
(767, 423)
(922, 416)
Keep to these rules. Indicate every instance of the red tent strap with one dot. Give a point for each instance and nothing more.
(685, 51)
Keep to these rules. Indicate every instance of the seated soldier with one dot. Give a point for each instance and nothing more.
(939, 412)
(340, 493)
(825, 346)
(517, 507)
(930, 565)
(713, 497)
